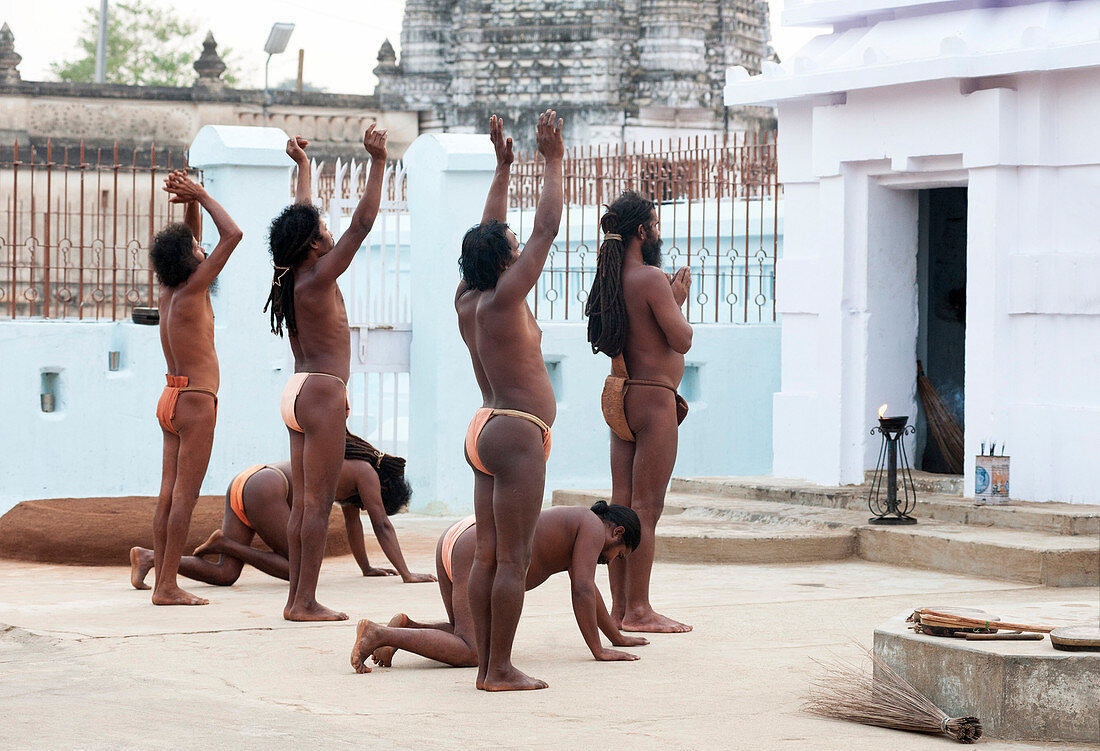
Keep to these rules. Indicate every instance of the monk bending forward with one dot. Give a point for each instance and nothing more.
(508, 441)
(634, 317)
(569, 539)
(188, 406)
(258, 503)
(305, 299)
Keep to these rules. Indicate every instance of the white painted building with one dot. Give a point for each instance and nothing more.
(997, 101)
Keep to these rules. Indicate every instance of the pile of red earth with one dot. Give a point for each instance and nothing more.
(101, 531)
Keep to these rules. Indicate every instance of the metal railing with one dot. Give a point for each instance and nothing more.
(719, 203)
(76, 225)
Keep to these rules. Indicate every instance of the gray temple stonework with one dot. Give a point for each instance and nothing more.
(9, 60)
(616, 71)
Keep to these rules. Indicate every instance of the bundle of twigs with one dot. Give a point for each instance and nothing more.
(936, 619)
(885, 699)
(945, 428)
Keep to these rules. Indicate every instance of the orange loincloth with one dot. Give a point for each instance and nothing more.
(482, 416)
(166, 405)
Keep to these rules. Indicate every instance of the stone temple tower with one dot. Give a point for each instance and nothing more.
(616, 70)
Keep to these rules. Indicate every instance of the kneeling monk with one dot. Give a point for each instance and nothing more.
(258, 502)
(569, 539)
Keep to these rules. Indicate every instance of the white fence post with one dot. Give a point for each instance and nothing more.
(247, 171)
(448, 178)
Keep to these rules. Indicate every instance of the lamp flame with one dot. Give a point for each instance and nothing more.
(881, 411)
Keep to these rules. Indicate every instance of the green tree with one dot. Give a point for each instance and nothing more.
(147, 45)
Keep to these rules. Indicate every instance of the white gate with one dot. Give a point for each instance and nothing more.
(376, 293)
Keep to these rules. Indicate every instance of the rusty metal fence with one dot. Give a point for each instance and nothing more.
(75, 229)
(718, 200)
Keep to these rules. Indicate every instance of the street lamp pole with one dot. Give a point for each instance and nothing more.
(277, 40)
(101, 45)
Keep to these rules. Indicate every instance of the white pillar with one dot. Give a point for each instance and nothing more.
(448, 179)
(247, 171)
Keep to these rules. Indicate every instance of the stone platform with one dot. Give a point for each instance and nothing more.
(1021, 690)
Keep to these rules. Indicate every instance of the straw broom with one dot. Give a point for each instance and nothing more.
(945, 428)
(884, 699)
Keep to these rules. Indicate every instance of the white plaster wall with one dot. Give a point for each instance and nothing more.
(1025, 147)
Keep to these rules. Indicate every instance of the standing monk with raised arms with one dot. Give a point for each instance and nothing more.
(634, 317)
(306, 300)
(188, 406)
(508, 440)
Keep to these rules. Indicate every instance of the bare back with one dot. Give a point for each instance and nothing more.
(187, 334)
(505, 346)
(323, 341)
(647, 352)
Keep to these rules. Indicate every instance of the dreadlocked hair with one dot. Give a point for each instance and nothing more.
(391, 472)
(290, 235)
(606, 306)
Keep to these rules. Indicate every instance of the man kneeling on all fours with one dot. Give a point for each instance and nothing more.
(569, 539)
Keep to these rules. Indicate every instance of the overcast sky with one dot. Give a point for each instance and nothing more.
(341, 37)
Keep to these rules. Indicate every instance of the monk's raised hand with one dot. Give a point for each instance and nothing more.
(296, 149)
(548, 135)
(502, 145)
(613, 655)
(376, 571)
(374, 141)
(182, 188)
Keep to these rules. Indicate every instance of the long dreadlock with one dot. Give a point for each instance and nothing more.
(606, 306)
(290, 235)
(390, 469)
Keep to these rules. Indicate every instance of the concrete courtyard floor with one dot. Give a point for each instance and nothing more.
(86, 662)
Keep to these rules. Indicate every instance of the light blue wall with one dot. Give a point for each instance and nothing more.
(728, 431)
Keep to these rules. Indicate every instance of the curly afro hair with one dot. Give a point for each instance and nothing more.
(486, 253)
(173, 254)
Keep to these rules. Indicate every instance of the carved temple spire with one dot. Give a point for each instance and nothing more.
(9, 59)
(210, 65)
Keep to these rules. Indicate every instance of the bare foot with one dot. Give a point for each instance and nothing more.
(512, 680)
(177, 596)
(211, 546)
(384, 655)
(654, 623)
(141, 562)
(367, 637)
(316, 612)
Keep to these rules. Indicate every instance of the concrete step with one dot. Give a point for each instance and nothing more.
(929, 482)
(694, 531)
(1049, 518)
(702, 528)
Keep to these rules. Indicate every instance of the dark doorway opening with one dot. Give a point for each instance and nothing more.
(941, 279)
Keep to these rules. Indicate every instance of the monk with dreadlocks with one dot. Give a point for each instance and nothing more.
(508, 440)
(634, 317)
(258, 503)
(188, 407)
(305, 299)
